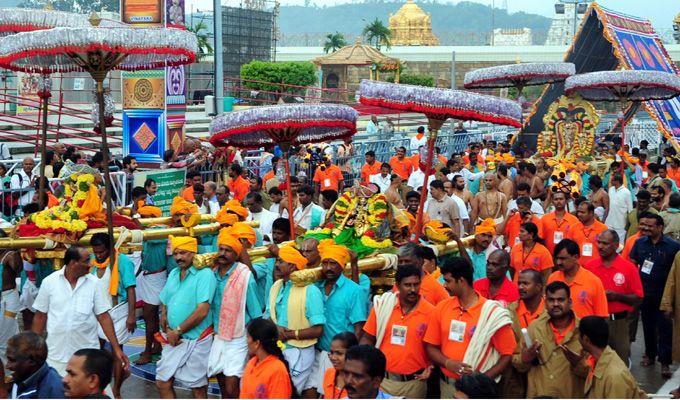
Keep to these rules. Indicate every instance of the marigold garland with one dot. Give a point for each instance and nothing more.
(66, 216)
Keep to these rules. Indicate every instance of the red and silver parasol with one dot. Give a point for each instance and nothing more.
(15, 20)
(518, 75)
(285, 125)
(438, 105)
(98, 50)
(624, 86)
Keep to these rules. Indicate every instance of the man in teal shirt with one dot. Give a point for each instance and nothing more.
(235, 304)
(344, 304)
(150, 282)
(299, 313)
(187, 322)
(264, 268)
(122, 295)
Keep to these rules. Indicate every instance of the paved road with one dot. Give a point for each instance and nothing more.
(649, 378)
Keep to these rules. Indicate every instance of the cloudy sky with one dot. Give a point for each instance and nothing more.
(660, 12)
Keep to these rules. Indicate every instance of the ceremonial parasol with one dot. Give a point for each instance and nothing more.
(438, 105)
(624, 86)
(15, 20)
(285, 125)
(98, 50)
(518, 75)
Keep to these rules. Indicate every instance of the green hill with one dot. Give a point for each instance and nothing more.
(465, 23)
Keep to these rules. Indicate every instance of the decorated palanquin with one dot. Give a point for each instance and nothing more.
(80, 209)
(361, 220)
(569, 133)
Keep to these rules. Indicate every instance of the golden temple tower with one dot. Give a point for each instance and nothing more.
(411, 26)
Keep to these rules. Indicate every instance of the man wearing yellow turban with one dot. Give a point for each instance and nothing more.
(482, 247)
(298, 311)
(231, 212)
(139, 196)
(187, 321)
(244, 232)
(181, 208)
(228, 242)
(235, 304)
(345, 303)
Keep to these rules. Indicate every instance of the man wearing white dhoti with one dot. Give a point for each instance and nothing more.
(70, 305)
(299, 313)
(186, 322)
(117, 281)
(10, 268)
(234, 305)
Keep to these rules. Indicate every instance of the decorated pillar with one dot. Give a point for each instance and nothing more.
(154, 102)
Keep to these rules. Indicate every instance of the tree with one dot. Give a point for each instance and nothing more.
(279, 78)
(413, 79)
(377, 32)
(204, 47)
(76, 6)
(334, 41)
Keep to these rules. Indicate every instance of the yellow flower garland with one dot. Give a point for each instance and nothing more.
(66, 216)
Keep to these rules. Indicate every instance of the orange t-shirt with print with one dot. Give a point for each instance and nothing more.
(267, 379)
(402, 342)
(329, 178)
(554, 229)
(403, 168)
(588, 296)
(586, 238)
(367, 170)
(451, 328)
(537, 258)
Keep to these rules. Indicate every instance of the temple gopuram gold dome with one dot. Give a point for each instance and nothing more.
(411, 26)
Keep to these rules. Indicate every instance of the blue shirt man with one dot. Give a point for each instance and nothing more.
(181, 296)
(314, 310)
(654, 257)
(264, 269)
(253, 304)
(344, 308)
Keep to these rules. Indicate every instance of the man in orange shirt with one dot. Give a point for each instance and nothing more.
(430, 288)
(587, 291)
(511, 226)
(401, 338)
(238, 185)
(328, 176)
(557, 224)
(371, 167)
(456, 325)
(673, 170)
(193, 178)
(585, 233)
(401, 165)
(628, 246)
(272, 173)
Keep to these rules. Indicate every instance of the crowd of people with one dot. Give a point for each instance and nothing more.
(543, 302)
